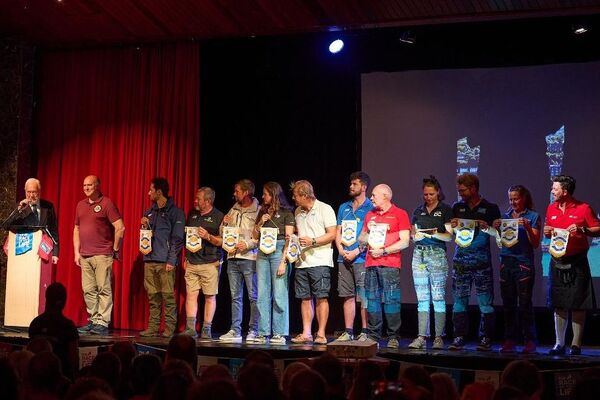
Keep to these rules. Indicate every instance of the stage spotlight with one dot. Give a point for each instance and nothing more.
(408, 37)
(579, 29)
(336, 46)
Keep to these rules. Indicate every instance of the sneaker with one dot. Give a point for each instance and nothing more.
(167, 333)
(206, 333)
(438, 343)
(259, 339)
(251, 337)
(508, 347)
(418, 343)
(190, 332)
(485, 344)
(393, 343)
(530, 347)
(231, 337)
(278, 340)
(99, 330)
(457, 344)
(85, 329)
(150, 332)
(557, 350)
(320, 340)
(363, 337)
(344, 337)
(302, 339)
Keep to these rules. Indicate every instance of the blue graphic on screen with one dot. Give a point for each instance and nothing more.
(467, 157)
(554, 151)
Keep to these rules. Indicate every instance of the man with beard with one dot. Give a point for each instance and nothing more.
(351, 260)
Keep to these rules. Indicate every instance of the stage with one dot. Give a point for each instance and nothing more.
(466, 366)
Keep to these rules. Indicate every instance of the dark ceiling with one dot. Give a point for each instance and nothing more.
(88, 22)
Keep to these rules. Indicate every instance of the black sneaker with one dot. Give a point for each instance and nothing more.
(457, 344)
(557, 350)
(485, 344)
(85, 329)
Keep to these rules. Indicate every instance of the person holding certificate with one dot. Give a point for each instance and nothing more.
(351, 260)
(472, 224)
(386, 232)
(202, 265)
(240, 246)
(568, 224)
(520, 231)
(430, 232)
(274, 223)
(316, 226)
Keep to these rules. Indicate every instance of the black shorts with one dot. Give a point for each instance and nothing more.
(571, 288)
(312, 282)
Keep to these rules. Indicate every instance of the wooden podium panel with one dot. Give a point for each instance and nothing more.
(22, 283)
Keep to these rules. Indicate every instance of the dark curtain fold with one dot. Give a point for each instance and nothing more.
(125, 115)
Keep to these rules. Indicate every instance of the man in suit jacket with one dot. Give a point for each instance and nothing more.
(33, 210)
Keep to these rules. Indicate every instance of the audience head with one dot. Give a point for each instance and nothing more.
(56, 297)
(332, 371)
(39, 344)
(44, 373)
(173, 383)
(107, 366)
(365, 374)
(145, 370)
(183, 347)
(289, 372)
(258, 382)
(509, 393)
(477, 391)
(216, 372)
(214, 389)
(416, 375)
(89, 387)
(259, 357)
(523, 375)
(308, 384)
(125, 351)
(20, 360)
(444, 387)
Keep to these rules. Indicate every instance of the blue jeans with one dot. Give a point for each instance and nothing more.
(383, 283)
(273, 300)
(239, 271)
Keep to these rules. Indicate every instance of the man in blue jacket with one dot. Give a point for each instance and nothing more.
(167, 223)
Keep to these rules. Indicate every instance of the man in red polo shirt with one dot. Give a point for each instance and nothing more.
(389, 233)
(570, 278)
(97, 239)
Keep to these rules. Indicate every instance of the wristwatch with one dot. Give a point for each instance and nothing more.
(314, 242)
(385, 253)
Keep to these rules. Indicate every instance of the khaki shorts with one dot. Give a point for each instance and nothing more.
(203, 277)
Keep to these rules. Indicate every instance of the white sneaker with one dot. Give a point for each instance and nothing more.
(231, 337)
(363, 337)
(259, 339)
(251, 337)
(278, 340)
(344, 337)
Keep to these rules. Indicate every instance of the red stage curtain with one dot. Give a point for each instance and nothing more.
(125, 115)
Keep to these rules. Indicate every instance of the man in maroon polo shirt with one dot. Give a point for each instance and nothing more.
(97, 240)
(570, 277)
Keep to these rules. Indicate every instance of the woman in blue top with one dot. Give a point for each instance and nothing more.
(517, 273)
(430, 230)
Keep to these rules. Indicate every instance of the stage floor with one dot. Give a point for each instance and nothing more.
(468, 358)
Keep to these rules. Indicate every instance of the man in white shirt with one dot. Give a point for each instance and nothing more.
(316, 224)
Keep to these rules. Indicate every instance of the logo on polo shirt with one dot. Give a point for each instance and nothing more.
(573, 216)
(423, 213)
(462, 209)
(194, 216)
(437, 214)
(553, 217)
(209, 219)
(98, 208)
(481, 210)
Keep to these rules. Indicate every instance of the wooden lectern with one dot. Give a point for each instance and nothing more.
(27, 276)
